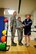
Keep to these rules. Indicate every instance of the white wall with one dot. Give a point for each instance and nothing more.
(34, 17)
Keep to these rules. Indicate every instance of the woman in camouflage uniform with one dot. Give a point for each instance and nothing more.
(20, 31)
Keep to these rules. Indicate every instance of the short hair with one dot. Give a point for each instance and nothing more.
(28, 15)
(19, 17)
(14, 12)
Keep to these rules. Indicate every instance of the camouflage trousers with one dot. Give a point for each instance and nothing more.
(20, 35)
(13, 30)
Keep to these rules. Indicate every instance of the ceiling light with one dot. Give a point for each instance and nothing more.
(11, 11)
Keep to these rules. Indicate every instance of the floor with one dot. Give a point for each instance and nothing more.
(21, 49)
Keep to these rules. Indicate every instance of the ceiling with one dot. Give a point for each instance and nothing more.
(12, 4)
(27, 6)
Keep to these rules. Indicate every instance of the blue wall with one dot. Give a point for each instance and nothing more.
(2, 25)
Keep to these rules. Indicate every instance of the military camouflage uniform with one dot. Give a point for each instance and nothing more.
(19, 30)
(13, 29)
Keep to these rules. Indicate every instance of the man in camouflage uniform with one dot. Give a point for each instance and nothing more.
(19, 30)
(13, 27)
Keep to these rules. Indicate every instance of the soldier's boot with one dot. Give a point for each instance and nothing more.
(13, 43)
